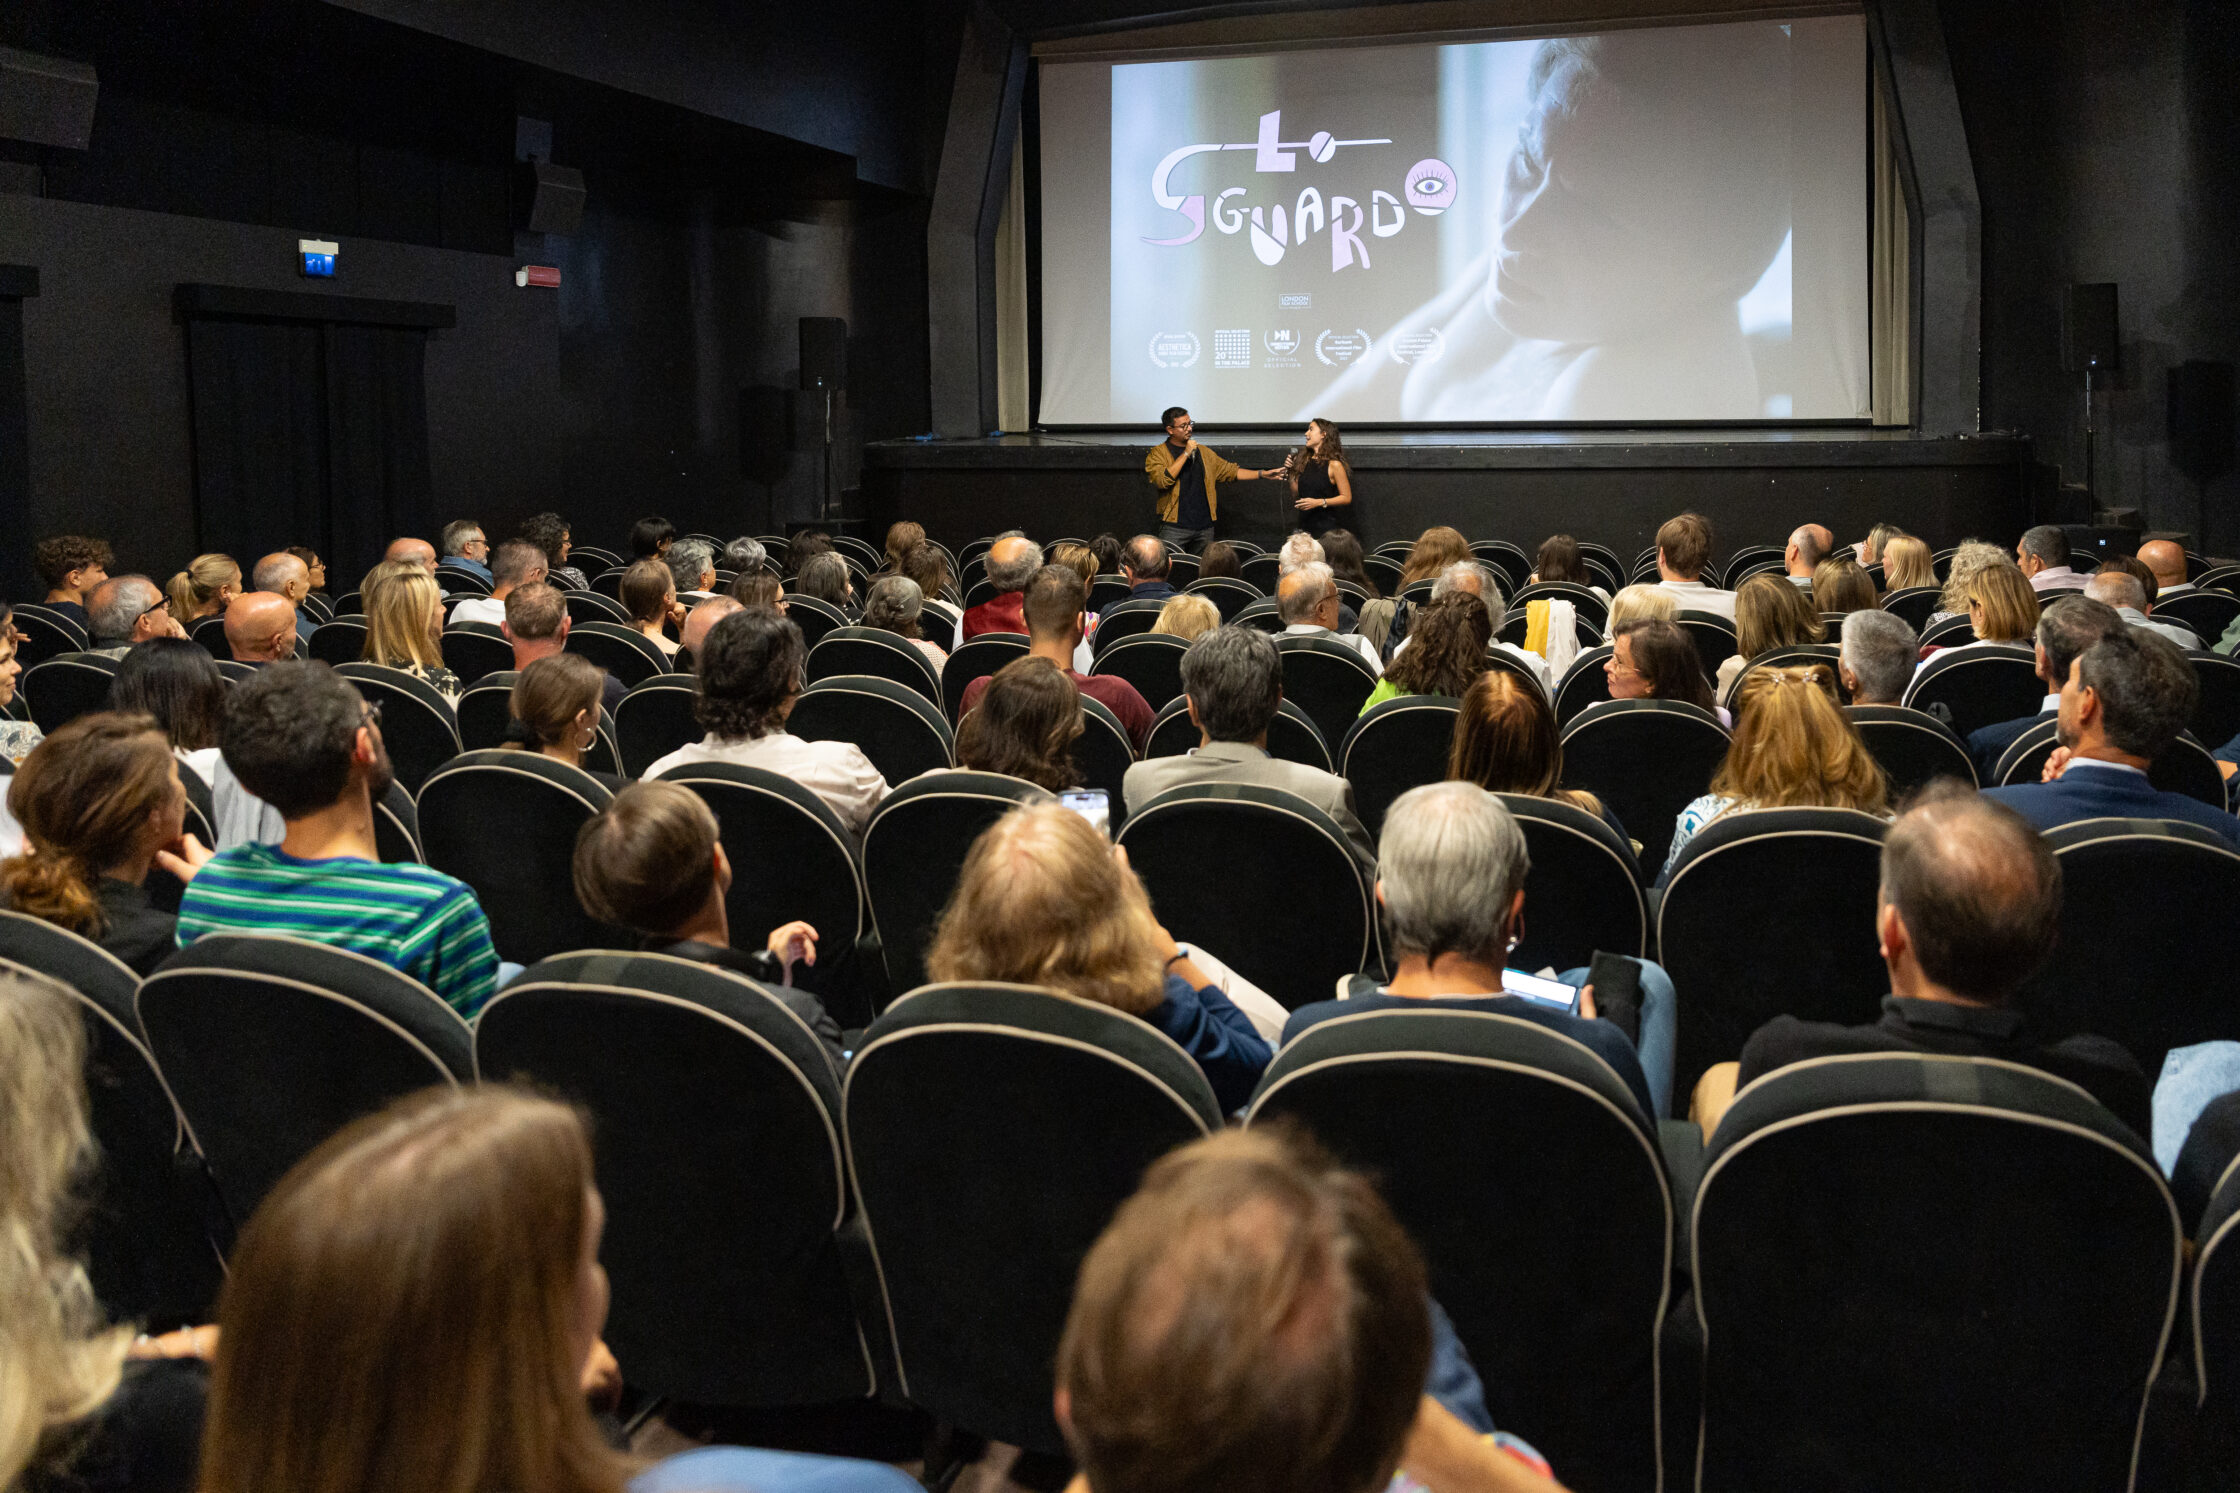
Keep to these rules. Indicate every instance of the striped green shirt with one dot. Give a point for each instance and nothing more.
(421, 922)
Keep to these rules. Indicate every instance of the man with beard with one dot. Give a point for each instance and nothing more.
(301, 737)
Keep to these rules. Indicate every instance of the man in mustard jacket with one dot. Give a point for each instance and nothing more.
(1185, 475)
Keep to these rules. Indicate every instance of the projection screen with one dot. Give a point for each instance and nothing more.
(1663, 224)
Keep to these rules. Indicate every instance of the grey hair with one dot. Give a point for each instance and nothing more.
(455, 537)
(2117, 588)
(688, 560)
(274, 571)
(1881, 650)
(128, 598)
(1311, 584)
(2147, 690)
(2047, 542)
(1456, 577)
(893, 602)
(1234, 676)
(1451, 861)
(744, 556)
(1015, 575)
(1808, 545)
(1300, 549)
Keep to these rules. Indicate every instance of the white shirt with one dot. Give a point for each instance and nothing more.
(239, 816)
(1695, 596)
(2056, 577)
(836, 771)
(1354, 640)
(2178, 633)
(1801, 582)
(480, 609)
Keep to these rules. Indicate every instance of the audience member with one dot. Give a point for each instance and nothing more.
(2043, 555)
(537, 625)
(753, 588)
(805, 544)
(1299, 548)
(1505, 741)
(204, 589)
(261, 627)
(1043, 899)
(178, 683)
(1769, 612)
(1012, 562)
(1052, 614)
(1078, 558)
(1342, 551)
(1471, 578)
(1024, 724)
(2002, 607)
(303, 740)
(465, 548)
(692, 566)
(1451, 867)
(651, 537)
(1970, 907)
(1220, 561)
(929, 567)
(825, 578)
(2127, 697)
(1655, 660)
(1187, 617)
(2165, 559)
(750, 669)
(312, 562)
(1877, 657)
(653, 862)
(1683, 550)
(902, 538)
(1842, 585)
(1809, 544)
(127, 609)
(2122, 591)
(895, 604)
(1435, 549)
(554, 710)
(1255, 1320)
(17, 738)
(2066, 627)
(1640, 604)
(1233, 680)
(1971, 558)
(1146, 566)
(744, 556)
(101, 805)
(404, 624)
(516, 563)
(707, 615)
(549, 533)
(71, 565)
(1307, 600)
(1907, 564)
(410, 551)
(1446, 651)
(286, 576)
(2137, 568)
(1109, 552)
(77, 1412)
(1561, 561)
(1793, 748)
(1384, 622)
(648, 592)
(1878, 537)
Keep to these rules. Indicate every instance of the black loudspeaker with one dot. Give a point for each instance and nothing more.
(2201, 419)
(824, 352)
(46, 100)
(555, 197)
(2088, 329)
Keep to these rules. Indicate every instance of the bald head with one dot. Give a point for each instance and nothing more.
(2117, 588)
(261, 626)
(1308, 595)
(2166, 559)
(1809, 544)
(413, 551)
(1012, 561)
(282, 574)
(703, 617)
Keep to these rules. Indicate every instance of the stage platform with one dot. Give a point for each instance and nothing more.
(1611, 486)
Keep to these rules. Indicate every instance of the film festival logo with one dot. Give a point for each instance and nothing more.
(1427, 188)
(1174, 349)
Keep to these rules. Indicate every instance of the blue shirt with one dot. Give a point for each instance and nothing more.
(475, 567)
(1151, 590)
(2088, 789)
(1230, 1051)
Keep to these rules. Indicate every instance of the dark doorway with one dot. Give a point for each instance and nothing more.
(310, 422)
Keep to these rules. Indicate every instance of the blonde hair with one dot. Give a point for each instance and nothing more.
(1187, 617)
(1840, 585)
(404, 610)
(1771, 611)
(1641, 604)
(2010, 604)
(401, 1314)
(1041, 901)
(1794, 747)
(1078, 558)
(191, 593)
(1435, 550)
(1973, 556)
(63, 1362)
(1907, 564)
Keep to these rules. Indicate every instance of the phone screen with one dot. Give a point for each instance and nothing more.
(1092, 804)
(1534, 988)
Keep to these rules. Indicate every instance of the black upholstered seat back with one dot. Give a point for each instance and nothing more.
(623, 651)
(417, 725)
(1050, 1110)
(977, 658)
(1394, 746)
(1583, 684)
(43, 632)
(913, 849)
(878, 653)
(1646, 759)
(1888, 1248)
(1714, 636)
(1559, 1306)
(474, 650)
(1102, 753)
(1152, 662)
(717, 1116)
(505, 823)
(1327, 679)
(65, 687)
(1979, 686)
(1912, 746)
(654, 719)
(1584, 890)
(2216, 1320)
(895, 725)
(341, 639)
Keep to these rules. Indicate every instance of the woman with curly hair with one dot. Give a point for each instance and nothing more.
(1446, 651)
(550, 533)
(1024, 725)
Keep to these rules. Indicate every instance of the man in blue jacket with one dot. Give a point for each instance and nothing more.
(2126, 699)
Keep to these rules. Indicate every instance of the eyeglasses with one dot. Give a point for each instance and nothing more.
(372, 717)
(159, 606)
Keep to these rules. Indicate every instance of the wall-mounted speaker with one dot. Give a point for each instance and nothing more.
(555, 196)
(824, 352)
(46, 100)
(2088, 329)
(2202, 419)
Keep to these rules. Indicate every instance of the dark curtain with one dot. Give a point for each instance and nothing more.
(311, 433)
(21, 581)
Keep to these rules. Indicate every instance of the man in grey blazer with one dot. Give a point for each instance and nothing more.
(1233, 679)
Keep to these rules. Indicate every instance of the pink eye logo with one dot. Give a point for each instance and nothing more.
(1430, 186)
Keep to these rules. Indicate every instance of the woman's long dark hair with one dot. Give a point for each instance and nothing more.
(1446, 649)
(1333, 449)
(176, 682)
(1667, 657)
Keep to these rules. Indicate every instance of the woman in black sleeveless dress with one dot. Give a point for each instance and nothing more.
(1321, 484)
